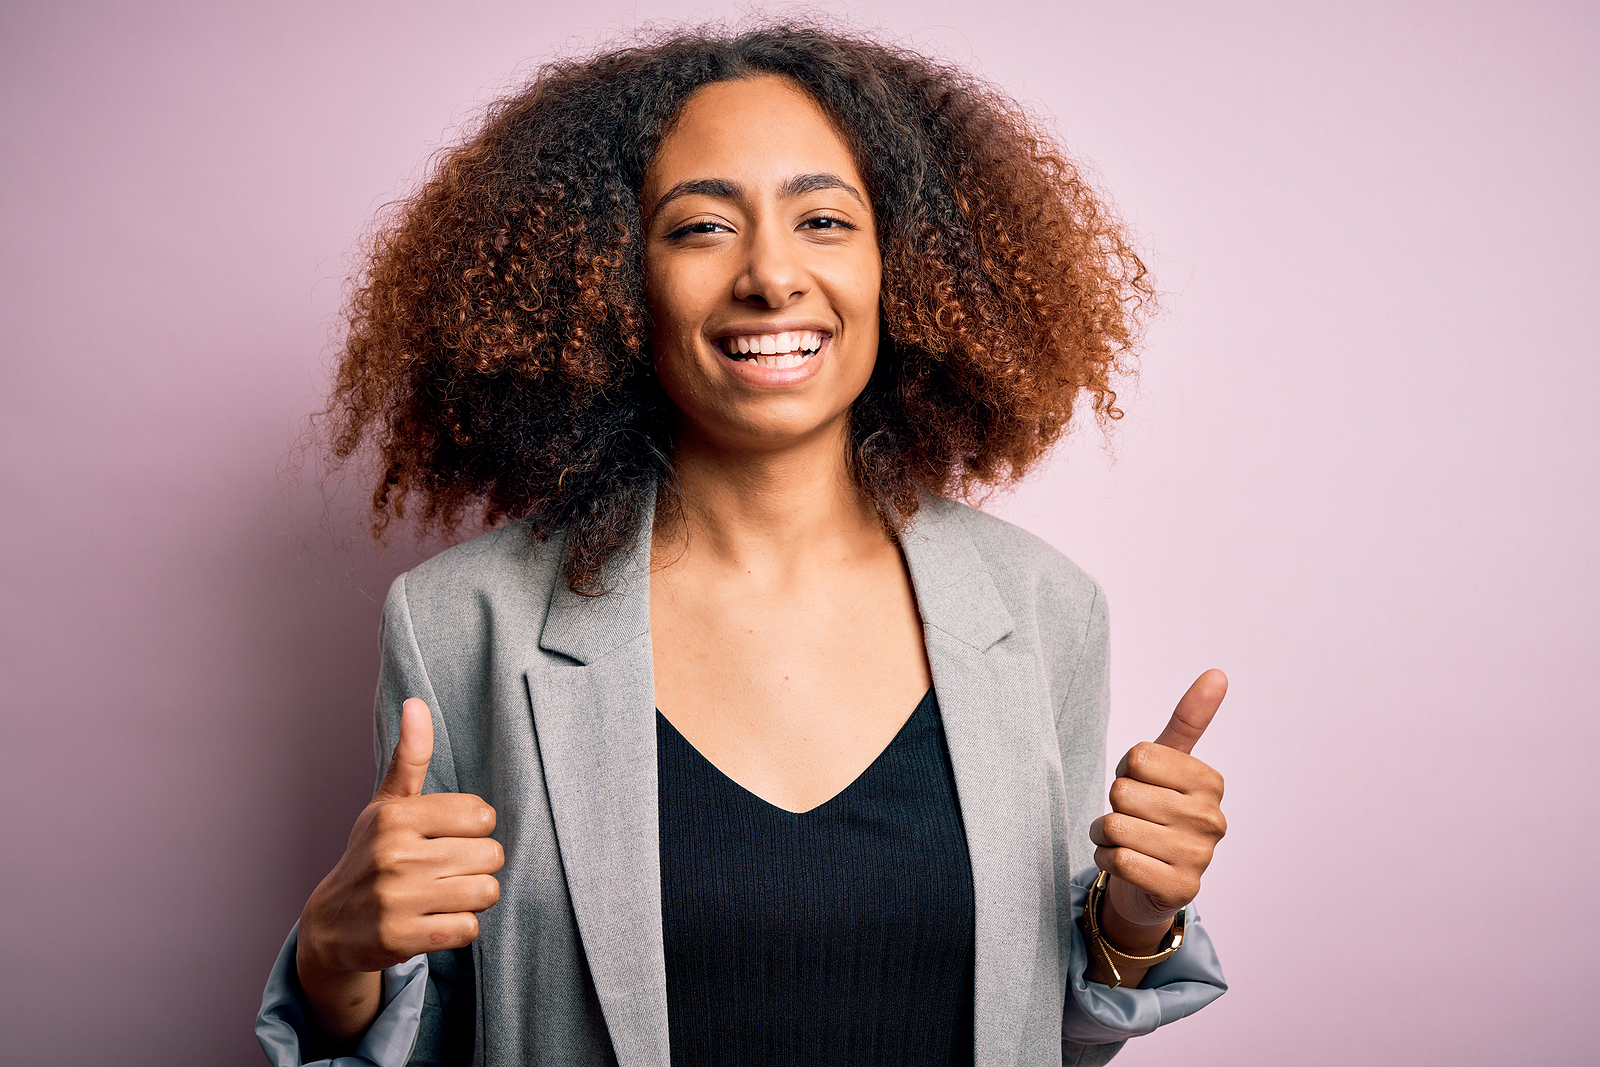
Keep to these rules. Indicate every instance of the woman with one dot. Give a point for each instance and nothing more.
(780, 756)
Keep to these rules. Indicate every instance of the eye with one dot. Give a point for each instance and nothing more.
(826, 222)
(692, 228)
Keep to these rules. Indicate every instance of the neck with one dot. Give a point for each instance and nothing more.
(765, 512)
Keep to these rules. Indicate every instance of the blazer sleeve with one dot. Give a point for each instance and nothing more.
(281, 1023)
(428, 1011)
(1096, 1019)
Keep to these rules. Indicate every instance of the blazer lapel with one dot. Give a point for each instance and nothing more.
(986, 696)
(595, 723)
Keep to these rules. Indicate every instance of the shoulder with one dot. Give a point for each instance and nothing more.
(987, 579)
(505, 572)
(1023, 566)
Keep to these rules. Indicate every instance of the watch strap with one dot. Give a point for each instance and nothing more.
(1113, 961)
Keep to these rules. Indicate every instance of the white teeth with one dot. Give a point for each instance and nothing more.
(788, 349)
(781, 360)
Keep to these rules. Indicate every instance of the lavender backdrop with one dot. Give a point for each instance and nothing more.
(1359, 474)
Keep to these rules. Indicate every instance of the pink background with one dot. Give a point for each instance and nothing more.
(1359, 473)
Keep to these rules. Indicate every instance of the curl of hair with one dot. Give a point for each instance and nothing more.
(497, 352)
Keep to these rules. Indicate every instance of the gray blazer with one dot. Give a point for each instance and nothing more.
(544, 705)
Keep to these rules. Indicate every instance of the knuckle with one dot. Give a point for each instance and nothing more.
(1103, 858)
(1198, 854)
(1132, 830)
(1122, 791)
(1123, 863)
(391, 817)
(391, 859)
(1216, 824)
(1144, 758)
(389, 934)
(386, 901)
(1137, 759)
(489, 856)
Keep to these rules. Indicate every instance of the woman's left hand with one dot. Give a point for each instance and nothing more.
(1165, 820)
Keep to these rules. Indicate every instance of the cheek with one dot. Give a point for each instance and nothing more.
(869, 282)
(673, 366)
(658, 299)
(866, 290)
(676, 299)
(668, 325)
(676, 360)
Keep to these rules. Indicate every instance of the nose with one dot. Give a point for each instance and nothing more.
(773, 275)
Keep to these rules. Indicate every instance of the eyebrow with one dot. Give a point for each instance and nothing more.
(723, 189)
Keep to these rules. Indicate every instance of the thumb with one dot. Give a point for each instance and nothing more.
(1194, 712)
(409, 764)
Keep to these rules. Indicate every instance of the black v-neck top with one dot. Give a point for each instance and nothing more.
(836, 936)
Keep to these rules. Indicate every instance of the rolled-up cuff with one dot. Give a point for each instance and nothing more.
(281, 1023)
(1180, 985)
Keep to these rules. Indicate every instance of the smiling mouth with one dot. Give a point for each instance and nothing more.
(775, 350)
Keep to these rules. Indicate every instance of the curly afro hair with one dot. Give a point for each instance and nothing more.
(497, 355)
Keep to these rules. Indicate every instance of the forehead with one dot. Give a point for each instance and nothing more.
(758, 132)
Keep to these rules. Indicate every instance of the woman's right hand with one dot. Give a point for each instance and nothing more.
(415, 874)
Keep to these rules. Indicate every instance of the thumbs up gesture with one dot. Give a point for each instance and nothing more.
(415, 874)
(1165, 820)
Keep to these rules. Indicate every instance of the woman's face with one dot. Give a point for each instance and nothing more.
(762, 268)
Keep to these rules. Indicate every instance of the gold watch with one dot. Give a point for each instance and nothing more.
(1102, 950)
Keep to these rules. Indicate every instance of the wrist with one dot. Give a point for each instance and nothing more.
(340, 1003)
(1125, 963)
(1135, 910)
(1136, 939)
(318, 962)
